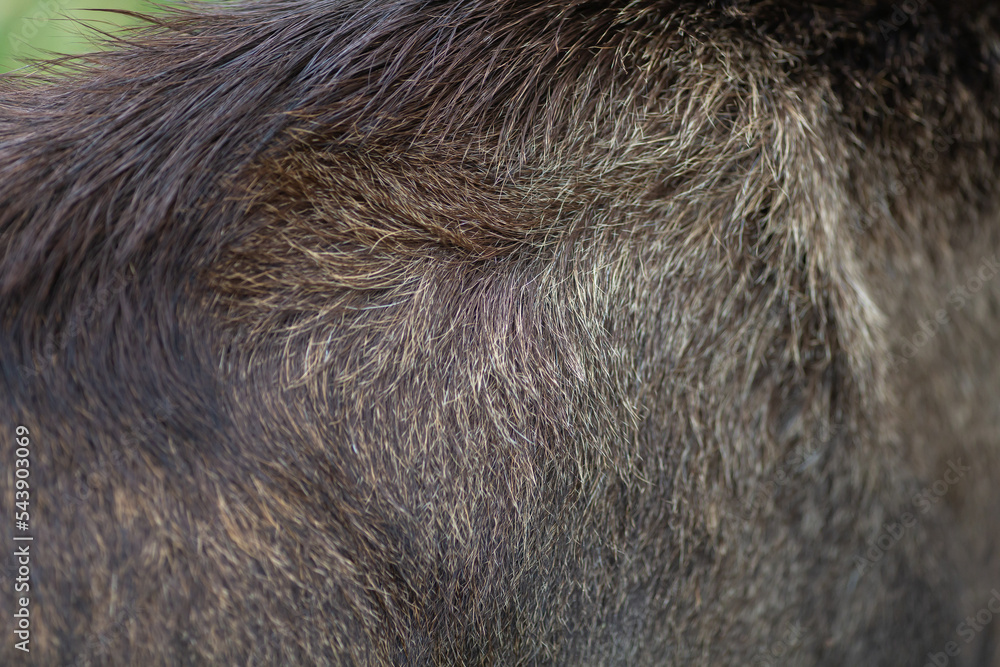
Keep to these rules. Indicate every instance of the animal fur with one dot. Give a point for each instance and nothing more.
(507, 332)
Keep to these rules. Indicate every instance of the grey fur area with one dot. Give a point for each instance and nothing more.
(508, 332)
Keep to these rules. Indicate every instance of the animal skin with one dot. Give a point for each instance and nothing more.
(507, 332)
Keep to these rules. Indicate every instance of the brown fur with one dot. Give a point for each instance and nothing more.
(478, 333)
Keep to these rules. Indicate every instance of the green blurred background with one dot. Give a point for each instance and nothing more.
(28, 28)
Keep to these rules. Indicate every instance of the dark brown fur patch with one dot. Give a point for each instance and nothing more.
(507, 333)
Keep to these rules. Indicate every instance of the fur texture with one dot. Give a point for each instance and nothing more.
(508, 332)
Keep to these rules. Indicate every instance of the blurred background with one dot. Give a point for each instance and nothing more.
(32, 28)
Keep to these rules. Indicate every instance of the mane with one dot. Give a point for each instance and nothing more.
(350, 71)
(222, 95)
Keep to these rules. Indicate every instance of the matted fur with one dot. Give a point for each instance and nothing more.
(478, 332)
